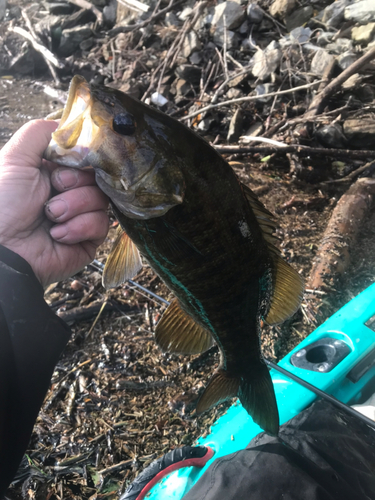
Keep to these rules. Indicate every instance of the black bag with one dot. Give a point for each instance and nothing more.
(321, 454)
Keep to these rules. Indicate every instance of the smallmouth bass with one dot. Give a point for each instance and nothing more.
(181, 206)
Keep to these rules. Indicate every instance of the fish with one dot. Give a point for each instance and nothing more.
(182, 209)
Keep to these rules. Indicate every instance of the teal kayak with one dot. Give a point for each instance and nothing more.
(337, 358)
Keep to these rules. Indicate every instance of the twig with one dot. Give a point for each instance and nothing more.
(135, 5)
(126, 29)
(37, 39)
(117, 467)
(302, 150)
(350, 177)
(38, 47)
(251, 138)
(97, 318)
(318, 102)
(84, 4)
(249, 98)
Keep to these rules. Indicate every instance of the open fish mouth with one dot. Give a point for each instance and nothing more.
(71, 141)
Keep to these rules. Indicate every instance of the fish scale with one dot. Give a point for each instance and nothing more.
(181, 206)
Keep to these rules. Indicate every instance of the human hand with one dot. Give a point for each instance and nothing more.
(57, 236)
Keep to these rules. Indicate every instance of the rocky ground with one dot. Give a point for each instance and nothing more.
(228, 70)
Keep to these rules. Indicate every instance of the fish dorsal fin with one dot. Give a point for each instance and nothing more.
(177, 332)
(265, 218)
(124, 261)
(287, 284)
(287, 291)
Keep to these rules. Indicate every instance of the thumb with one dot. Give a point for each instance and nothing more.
(26, 146)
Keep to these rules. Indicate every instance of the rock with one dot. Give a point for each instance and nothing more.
(320, 61)
(171, 19)
(185, 14)
(300, 35)
(244, 28)
(264, 88)
(182, 87)
(352, 82)
(237, 80)
(360, 132)
(235, 126)
(191, 44)
(265, 62)
(255, 129)
(254, 13)
(58, 9)
(281, 8)
(364, 34)
(331, 136)
(71, 39)
(325, 37)
(133, 88)
(340, 46)
(196, 57)
(3, 6)
(192, 74)
(158, 99)
(87, 44)
(299, 17)
(205, 124)
(234, 93)
(228, 14)
(333, 15)
(346, 59)
(362, 12)
(220, 36)
(109, 13)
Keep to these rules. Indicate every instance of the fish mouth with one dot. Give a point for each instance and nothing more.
(71, 141)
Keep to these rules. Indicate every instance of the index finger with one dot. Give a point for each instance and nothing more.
(26, 146)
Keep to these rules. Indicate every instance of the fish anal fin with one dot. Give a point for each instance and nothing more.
(257, 396)
(221, 387)
(177, 332)
(124, 261)
(287, 291)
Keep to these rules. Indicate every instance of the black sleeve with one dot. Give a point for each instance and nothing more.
(32, 338)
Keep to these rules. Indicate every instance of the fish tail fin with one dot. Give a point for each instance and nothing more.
(255, 391)
(257, 396)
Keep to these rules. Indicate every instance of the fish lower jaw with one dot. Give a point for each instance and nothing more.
(75, 157)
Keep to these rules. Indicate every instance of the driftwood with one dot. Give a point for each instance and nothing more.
(334, 252)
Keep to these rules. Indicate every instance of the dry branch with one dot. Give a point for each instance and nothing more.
(318, 102)
(250, 98)
(302, 150)
(333, 255)
(38, 47)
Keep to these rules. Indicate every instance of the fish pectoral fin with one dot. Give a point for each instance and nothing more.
(220, 388)
(177, 332)
(257, 396)
(287, 292)
(124, 261)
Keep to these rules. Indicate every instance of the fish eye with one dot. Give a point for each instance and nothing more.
(123, 124)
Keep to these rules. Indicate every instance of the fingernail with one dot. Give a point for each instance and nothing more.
(57, 208)
(58, 232)
(67, 178)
